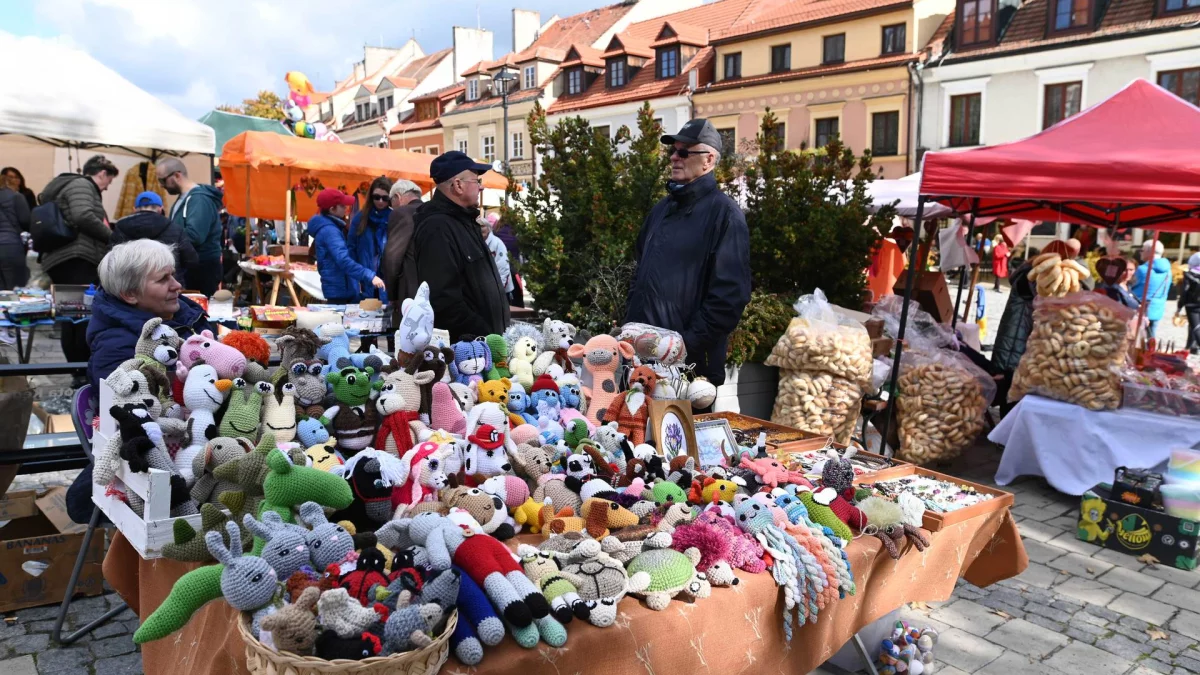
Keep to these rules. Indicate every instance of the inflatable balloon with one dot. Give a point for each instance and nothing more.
(299, 87)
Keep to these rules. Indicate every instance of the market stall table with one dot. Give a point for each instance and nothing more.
(735, 630)
(1075, 448)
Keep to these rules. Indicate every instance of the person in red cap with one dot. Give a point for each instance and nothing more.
(340, 274)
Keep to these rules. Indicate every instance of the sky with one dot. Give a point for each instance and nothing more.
(197, 54)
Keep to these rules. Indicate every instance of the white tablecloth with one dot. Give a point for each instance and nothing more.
(1074, 448)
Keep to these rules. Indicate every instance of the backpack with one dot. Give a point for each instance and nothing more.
(48, 229)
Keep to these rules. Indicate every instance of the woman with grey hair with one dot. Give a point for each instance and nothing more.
(398, 269)
(137, 283)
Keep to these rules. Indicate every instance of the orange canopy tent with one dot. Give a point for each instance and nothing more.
(259, 168)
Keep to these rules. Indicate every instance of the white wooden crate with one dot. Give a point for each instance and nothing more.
(155, 529)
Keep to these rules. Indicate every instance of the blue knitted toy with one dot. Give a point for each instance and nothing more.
(795, 569)
(478, 623)
(518, 402)
(472, 360)
(338, 348)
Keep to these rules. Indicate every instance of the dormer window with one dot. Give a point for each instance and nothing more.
(618, 73)
(976, 25)
(575, 81)
(530, 77)
(1171, 6)
(1070, 14)
(472, 90)
(668, 62)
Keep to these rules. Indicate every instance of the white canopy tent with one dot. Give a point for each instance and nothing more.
(62, 105)
(906, 190)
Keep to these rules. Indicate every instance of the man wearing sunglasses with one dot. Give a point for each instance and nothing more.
(693, 253)
(465, 288)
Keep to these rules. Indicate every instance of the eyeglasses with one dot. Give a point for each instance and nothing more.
(380, 198)
(163, 179)
(478, 181)
(684, 153)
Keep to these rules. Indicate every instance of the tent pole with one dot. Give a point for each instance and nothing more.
(1146, 291)
(962, 274)
(914, 267)
(249, 251)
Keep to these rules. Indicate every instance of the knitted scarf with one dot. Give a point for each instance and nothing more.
(412, 491)
(396, 426)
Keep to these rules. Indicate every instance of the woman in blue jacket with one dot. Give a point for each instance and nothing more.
(368, 232)
(1159, 284)
(340, 273)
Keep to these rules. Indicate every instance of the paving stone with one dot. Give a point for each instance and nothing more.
(1047, 612)
(944, 669)
(1130, 581)
(12, 631)
(969, 616)
(38, 613)
(108, 630)
(1133, 622)
(1027, 638)
(114, 646)
(1080, 622)
(27, 644)
(1081, 636)
(1069, 542)
(1037, 513)
(1008, 595)
(1186, 578)
(921, 620)
(1150, 611)
(1045, 623)
(992, 603)
(63, 660)
(1163, 656)
(1080, 659)
(1186, 623)
(1189, 664)
(95, 602)
(1088, 590)
(19, 666)
(1042, 553)
(1037, 531)
(1119, 559)
(1080, 565)
(1045, 595)
(1174, 643)
(129, 664)
(1124, 647)
(1065, 523)
(1040, 576)
(1010, 662)
(1156, 666)
(41, 626)
(1101, 612)
(1174, 594)
(962, 650)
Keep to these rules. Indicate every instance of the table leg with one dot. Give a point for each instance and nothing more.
(258, 290)
(292, 290)
(29, 345)
(274, 289)
(21, 358)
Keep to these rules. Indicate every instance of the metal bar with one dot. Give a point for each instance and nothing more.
(72, 464)
(35, 369)
(56, 634)
(962, 274)
(45, 448)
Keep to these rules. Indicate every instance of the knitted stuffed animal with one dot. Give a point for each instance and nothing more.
(615, 445)
(279, 414)
(602, 515)
(518, 406)
(478, 624)
(368, 571)
(416, 325)
(329, 543)
(346, 616)
(225, 360)
(187, 544)
(445, 412)
(601, 357)
(158, 345)
(659, 574)
(496, 391)
(838, 475)
(371, 474)
(602, 581)
(560, 588)
(531, 461)
(434, 360)
(217, 452)
(285, 550)
(410, 627)
(310, 386)
(479, 459)
(203, 394)
(356, 420)
(544, 399)
(570, 396)
(745, 553)
(296, 345)
(820, 512)
(524, 345)
(255, 349)
(557, 338)
(499, 348)
(336, 353)
(631, 411)
(472, 360)
(773, 473)
(331, 647)
(287, 485)
(294, 628)
(312, 431)
(427, 469)
(244, 413)
(398, 406)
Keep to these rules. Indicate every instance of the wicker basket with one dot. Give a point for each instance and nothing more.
(262, 660)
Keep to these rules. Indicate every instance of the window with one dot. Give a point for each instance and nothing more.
(976, 22)
(1060, 102)
(462, 146)
(834, 49)
(358, 112)
(472, 90)
(964, 119)
(518, 145)
(1183, 83)
(781, 58)
(530, 77)
(728, 141)
(1180, 5)
(489, 148)
(604, 131)
(418, 151)
(885, 134)
(733, 66)
(616, 72)
(1070, 14)
(893, 39)
(575, 81)
(385, 104)
(432, 149)
(781, 136)
(668, 62)
(827, 130)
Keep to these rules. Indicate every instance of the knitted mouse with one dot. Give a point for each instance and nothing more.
(244, 413)
(294, 628)
(499, 348)
(398, 405)
(601, 357)
(203, 395)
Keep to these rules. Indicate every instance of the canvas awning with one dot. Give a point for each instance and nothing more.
(259, 168)
(226, 125)
(1132, 160)
(904, 192)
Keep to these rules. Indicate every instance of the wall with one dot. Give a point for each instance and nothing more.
(526, 24)
(471, 45)
(423, 140)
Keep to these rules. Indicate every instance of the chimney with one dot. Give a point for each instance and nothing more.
(526, 24)
(471, 45)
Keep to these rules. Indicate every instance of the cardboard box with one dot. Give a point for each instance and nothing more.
(1114, 524)
(38, 551)
(53, 424)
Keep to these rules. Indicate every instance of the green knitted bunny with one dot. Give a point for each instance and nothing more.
(244, 414)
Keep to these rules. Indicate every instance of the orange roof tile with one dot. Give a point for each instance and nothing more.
(789, 14)
(674, 32)
(552, 45)
(494, 101)
(623, 43)
(711, 16)
(419, 69)
(643, 86)
(848, 67)
(445, 92)
(582, 55)
(401, 82)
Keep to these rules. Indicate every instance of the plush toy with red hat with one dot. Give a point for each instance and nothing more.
(544, 399)
(486, 456)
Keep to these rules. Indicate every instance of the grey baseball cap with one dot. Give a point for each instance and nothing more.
(695, 131)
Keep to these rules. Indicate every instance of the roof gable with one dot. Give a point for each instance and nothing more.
(622, 43)
(673, 33)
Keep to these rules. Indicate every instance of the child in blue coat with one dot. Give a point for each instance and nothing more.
(340, 273)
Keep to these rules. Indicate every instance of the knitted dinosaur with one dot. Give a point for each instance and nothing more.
(244, 414)
(188, 545)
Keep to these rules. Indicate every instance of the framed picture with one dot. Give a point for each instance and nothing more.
(715, 442)
(672, 429)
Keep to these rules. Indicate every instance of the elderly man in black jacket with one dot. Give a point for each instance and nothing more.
(465, 288)
(693, 253)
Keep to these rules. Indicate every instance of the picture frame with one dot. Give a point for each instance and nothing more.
(715, 442)
(672, 428)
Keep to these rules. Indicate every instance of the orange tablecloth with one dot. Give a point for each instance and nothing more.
(737, 629)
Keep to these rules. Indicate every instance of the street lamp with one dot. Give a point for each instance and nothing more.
(504, 80)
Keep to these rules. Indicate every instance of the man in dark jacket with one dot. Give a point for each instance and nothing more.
(398, 268)
(14, 219)
(198, 212)
(465, 288)
(1016, 323)
(693, 253)
(148, 222)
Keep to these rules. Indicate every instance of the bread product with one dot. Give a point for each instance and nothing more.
(1055, 277)
(1071, 353)
(818, 403)
(811, 346)
(941, 402)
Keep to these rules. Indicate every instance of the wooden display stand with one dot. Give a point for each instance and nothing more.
(931, 294)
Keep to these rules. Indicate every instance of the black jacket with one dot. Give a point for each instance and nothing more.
(150, 225)
(82, 208)
(1189, 290)
(398, 269)
(1016, 323)
(14, 218)
(693, 273)
(465, 289)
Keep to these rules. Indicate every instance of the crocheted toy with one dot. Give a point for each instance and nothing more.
(279, 414)
(511, 490)
(346, 616)
(294, 627)
(368, 571)
(329, 543)
(712, 490)
(323, 456)
(472, 360)
(217, 452)
(659, 574)
(601, 580)
(371, 474)
(524, 345)
(427, 469)
(527, 515)
(356, 420)
(478, 624)
(410, 627)
(631, 411)
(885, 520)
(745, 553)
(433, 360)
(557, 337)
(820, 512)
(602, 515)
(531, 461)
(306, 578)
(478, 510)
(489, 414)
(544, 399)
(416, 325)
(363, 646)
(204, 348)
(203, 394)
(601, 358)
(255, 349)
(615, 446)
(555, 489)
(285, 550)
(550, 432)
(499, 348)
(713, 545)
(158, 345)
(445, 412)
(336, 353)
(518, 406)
(571, 400)
(244, 414)
(187, 544)
(310, 386)
(140, 437)
(462, 394)
(559, 587)
(287, 486)
(772, 473)
(398, 405)
(666, 493)
(496, 391)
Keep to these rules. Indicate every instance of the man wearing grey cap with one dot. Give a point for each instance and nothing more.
(693, 253)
